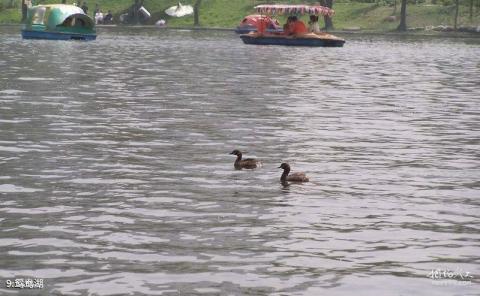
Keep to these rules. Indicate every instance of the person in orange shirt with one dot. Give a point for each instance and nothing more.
(299, 27)
(294, 26)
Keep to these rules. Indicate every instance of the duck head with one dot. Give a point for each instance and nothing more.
(236, 152)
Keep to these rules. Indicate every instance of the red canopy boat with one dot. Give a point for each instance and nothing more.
(263, 37)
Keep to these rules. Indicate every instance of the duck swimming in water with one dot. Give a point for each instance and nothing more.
(248, 163)
(295, 177)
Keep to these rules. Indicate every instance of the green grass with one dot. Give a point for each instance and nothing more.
(372, 17)
(213, 13)
(228, 13)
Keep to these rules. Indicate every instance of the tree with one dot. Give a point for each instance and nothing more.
(196, 13)
(402, 27)
(24, 10)
(471, 10)
(133, 12)
(394, 7)
(326, 18)
(456, 15)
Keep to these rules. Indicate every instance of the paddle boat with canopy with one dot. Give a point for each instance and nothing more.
(58, 22)
(262, 37)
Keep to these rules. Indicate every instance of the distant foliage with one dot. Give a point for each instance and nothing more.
(447, 2)
(366, 1)
(6, 4)
(390, 2)
(452, 2)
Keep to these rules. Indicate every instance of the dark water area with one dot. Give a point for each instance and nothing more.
(115, 177)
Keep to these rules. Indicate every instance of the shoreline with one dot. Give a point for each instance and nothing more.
(343, 31)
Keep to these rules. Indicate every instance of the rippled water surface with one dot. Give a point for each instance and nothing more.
(115, 177)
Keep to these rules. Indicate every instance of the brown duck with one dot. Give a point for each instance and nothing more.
(295, 177)
(248, 163)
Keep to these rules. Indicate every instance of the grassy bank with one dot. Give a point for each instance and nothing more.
(227, 13)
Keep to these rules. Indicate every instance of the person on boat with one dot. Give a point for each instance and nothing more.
(288, 25)
(299, 27)
(313, 26)
(294, 26)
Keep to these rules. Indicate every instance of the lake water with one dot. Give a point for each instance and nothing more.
(116, 178)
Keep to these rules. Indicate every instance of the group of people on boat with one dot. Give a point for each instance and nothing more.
(294, 26)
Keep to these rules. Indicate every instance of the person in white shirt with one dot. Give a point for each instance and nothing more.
(313, 26)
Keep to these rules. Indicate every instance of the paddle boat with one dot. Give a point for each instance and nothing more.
(263, 37)
(250, 24)
(58, 22)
